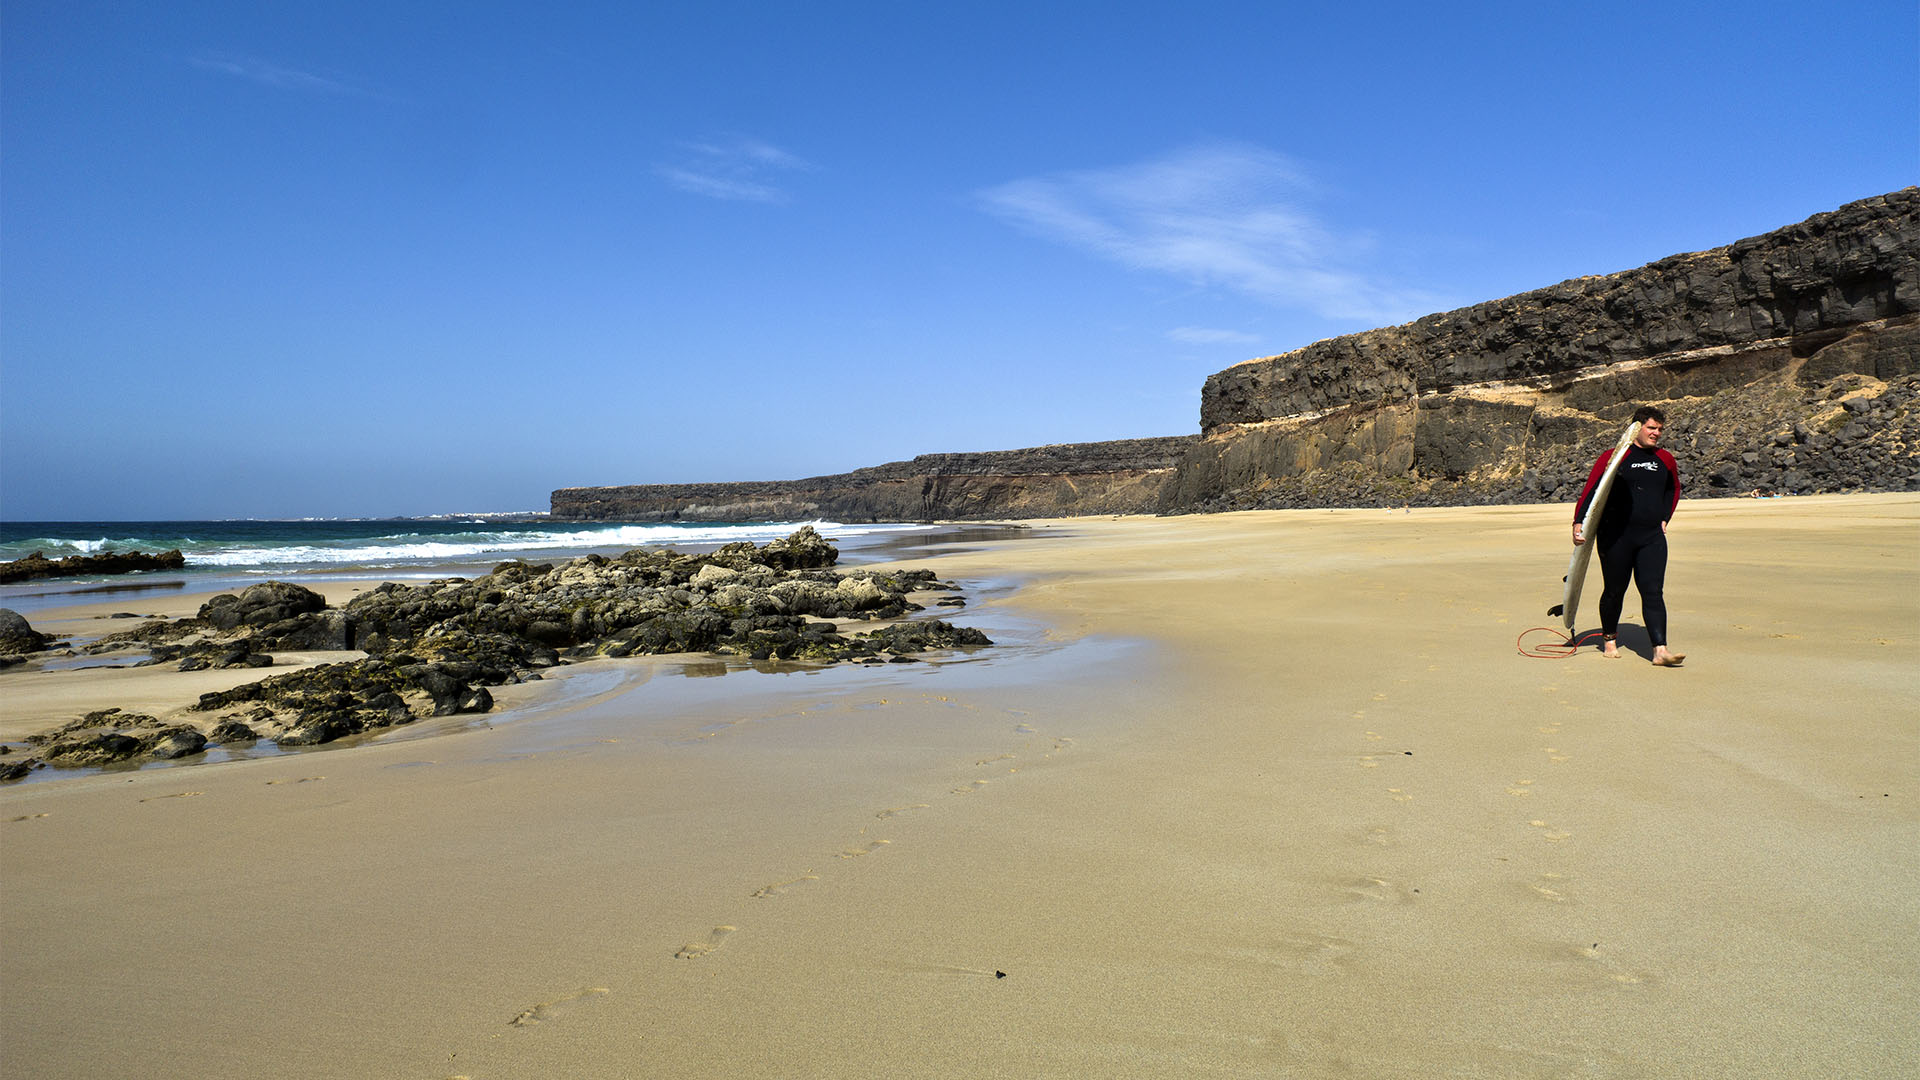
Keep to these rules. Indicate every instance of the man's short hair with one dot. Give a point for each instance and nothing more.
(1647, 412)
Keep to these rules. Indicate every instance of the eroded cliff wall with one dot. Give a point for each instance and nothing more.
(1120, 477)
(1788, 362)
(1805, 286)
(1785, 362)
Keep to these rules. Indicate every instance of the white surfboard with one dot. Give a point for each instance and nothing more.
(1582, 555)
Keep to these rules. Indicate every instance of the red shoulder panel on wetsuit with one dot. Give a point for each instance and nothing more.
(1673, 470)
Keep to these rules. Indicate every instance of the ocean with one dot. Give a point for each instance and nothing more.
(233, 554)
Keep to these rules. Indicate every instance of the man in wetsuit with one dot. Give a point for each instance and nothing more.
(1632, 532)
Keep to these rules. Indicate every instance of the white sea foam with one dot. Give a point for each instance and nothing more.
(459, 547)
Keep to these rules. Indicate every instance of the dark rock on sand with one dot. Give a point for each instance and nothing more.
(83, 748)
(110, 735)
(17, 636)
(37, 565)
(218, 655)
(231, 731)
(265, 604)
(433, 649)
(174, 742)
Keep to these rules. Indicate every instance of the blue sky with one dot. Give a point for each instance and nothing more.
(285, 259)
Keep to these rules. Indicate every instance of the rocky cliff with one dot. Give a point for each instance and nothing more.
(1120, 477)
(1803, 286)
(1788, 362)
(1785, 362)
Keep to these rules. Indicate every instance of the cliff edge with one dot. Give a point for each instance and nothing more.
(1787, 363)
(1120, 477)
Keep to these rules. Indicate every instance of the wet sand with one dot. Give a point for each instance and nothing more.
(1264, 794)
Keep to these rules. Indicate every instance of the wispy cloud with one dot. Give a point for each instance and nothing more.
(1202, 335)
(260, 71)
(740, 169)
(1225, 214)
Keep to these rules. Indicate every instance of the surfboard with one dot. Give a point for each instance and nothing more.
(1582, 555)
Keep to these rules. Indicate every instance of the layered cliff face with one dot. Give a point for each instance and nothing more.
(1806, 285)
(1785, 362)
(1120, 477)
(1788, 362)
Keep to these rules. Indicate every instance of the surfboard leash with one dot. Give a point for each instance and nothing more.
(1568, 644)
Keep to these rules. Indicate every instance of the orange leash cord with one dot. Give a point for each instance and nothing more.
(1550, 650)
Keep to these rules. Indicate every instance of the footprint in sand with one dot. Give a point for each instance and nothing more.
(991, 760)
(175, 795)
(896, 811)
(1399, 795)
(1378, 890)
(1369, 761)
(780, 888)
(694, 950)
(548, 1010)
(1598, 965)
(871, 847)
(1378, 835)
(27, 817)
(302, 780)
(1550, 887)
(1521, 787)
(1551, 833)
(1553, 754)
(971, 788)
(1312, 954)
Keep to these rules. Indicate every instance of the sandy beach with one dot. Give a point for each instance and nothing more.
(1254, 794)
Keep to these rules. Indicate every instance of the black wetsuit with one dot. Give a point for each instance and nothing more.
(1632, 543)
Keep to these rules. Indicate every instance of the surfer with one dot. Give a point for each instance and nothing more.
(1632, 533)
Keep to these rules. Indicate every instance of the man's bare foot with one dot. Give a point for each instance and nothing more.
(1609, 650)
(1663, 658)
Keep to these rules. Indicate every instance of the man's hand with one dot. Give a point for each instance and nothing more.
(1577, 539)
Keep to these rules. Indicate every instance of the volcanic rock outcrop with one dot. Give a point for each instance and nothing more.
(37, 565)
(17, 636)
(434, 649)
(1788, 362)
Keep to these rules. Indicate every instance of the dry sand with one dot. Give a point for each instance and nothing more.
(1264, 794)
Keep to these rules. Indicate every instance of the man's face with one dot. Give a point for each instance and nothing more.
(1649, 436)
